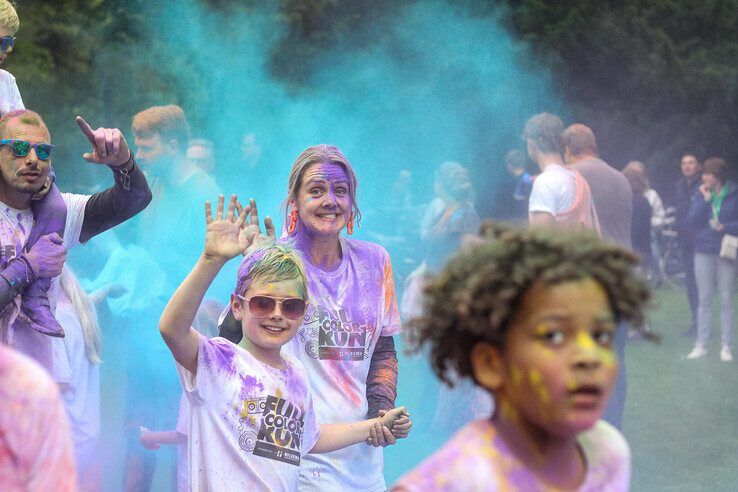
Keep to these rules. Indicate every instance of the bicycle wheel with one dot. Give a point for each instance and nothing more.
(672, 267)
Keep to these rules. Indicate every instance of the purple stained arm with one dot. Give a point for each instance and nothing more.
(381, 382)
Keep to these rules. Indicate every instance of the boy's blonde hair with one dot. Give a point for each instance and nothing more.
(8, 16)
(276, 263)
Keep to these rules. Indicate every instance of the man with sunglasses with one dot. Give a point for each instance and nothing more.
(25, 165)
(10, 97)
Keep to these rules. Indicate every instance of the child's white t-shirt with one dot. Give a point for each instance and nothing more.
(350, 308)
(250, 423)
(477, 458)
(10, 98)
(183, 469)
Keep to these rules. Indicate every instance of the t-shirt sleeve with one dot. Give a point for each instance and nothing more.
(215, 360)
(542, 196)
(608, 457)
(183, 416)
(75, 216)
(391, 324)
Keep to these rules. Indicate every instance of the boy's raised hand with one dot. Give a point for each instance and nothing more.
(254, 238)
(223, 237)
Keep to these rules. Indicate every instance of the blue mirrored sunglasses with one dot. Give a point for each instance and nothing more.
(7, 43)
(21, 148)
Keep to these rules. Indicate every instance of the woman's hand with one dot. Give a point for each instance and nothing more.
(223, 234)
(705, 190)
(392, 425)
(251, 232)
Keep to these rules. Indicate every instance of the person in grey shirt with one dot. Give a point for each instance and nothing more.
(611, 193)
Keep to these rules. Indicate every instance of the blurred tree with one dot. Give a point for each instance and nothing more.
(653, 79)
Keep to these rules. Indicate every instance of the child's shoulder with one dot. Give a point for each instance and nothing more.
(603, 441)
(604, 438)
(608, 458)
(466, 462)
(6, 77)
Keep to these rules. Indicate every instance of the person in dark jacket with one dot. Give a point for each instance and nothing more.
(685, 189)
(713, 213)
(640, 228)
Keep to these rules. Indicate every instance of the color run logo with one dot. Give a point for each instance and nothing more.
(338, 338)
(280, 435)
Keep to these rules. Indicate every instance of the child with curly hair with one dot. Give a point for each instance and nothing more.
(530, 315)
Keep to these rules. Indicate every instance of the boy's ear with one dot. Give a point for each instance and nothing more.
(236, 307)
(487, 365)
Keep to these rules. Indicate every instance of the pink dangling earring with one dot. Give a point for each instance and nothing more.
(293, 221)
(350, 225)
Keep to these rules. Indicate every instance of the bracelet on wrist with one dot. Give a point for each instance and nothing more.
(124, 169)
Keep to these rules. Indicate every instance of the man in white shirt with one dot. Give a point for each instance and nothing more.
(560, 197)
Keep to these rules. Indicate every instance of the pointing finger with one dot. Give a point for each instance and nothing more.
(86, 129)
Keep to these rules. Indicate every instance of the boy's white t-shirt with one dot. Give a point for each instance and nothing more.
(349, 309)
(183, 469)
(554, 191)
(10, 98)
(82, 397)
(477, 458)
(250, 424)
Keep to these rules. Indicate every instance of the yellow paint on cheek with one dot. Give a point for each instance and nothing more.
(608, 358)
(517, 376)
(536, 382)
(540, 330)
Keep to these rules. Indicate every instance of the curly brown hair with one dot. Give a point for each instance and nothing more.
(481, 288)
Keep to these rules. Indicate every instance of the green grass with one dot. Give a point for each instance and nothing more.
(681, 416)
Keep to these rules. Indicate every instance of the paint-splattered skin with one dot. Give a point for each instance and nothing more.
(559, 343)
(553, 376)
(324, 206)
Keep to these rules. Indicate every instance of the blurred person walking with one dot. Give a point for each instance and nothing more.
(713, 213)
